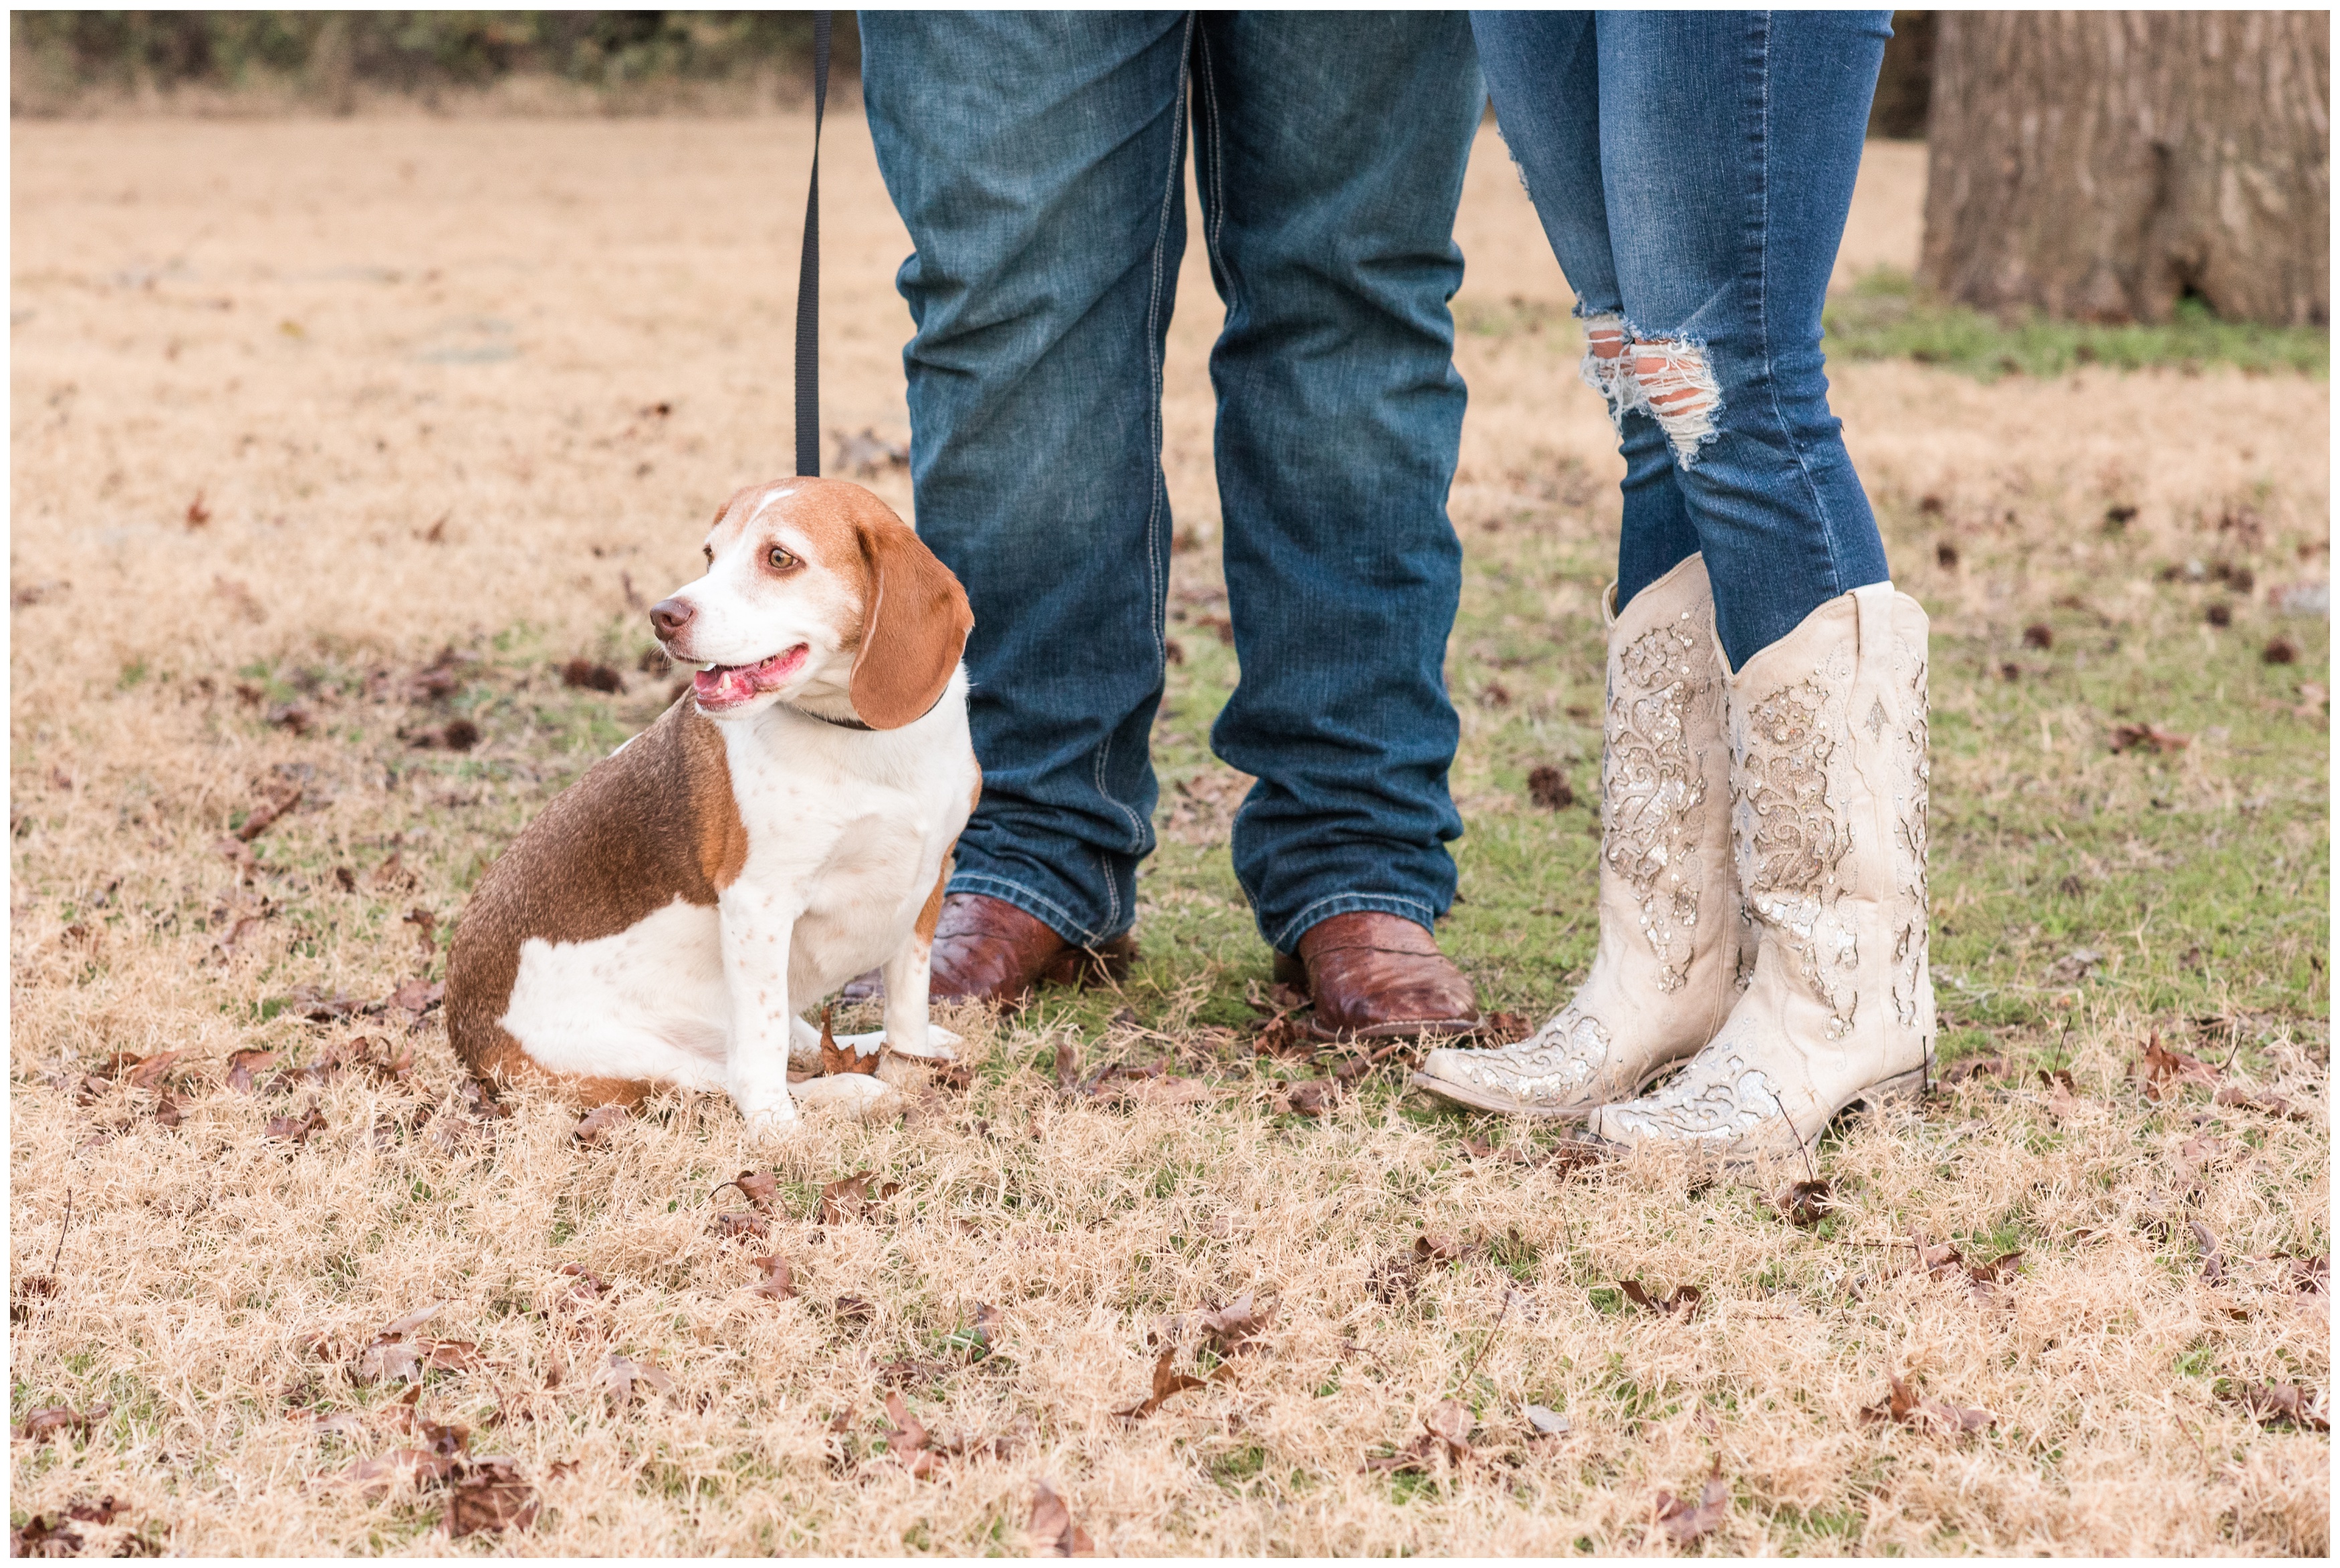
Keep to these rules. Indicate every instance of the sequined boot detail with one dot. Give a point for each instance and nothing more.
(1828, 742)
(1668, 965)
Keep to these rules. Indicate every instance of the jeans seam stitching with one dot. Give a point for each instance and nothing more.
(1763, 326)
(1157, 596)
(1218, 167)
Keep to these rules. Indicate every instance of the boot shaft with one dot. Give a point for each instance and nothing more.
(1665, 791)
(1828, 737)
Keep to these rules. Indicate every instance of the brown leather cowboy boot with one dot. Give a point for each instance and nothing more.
(987, 949)
(1374, 976)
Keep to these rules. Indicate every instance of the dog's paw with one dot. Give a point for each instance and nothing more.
(859, 1094)
(769, 1118)
(941, 1045)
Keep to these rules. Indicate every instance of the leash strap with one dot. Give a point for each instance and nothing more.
(809, 272)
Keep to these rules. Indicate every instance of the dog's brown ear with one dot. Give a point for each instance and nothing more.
(914, 629)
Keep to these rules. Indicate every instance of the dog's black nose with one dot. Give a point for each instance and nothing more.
(668, 617)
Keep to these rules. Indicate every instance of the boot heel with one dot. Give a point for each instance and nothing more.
(1894, 1090)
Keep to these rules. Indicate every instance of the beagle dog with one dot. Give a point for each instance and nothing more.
(788, 825)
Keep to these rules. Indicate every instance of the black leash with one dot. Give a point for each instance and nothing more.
(809, 272)
(808, 303)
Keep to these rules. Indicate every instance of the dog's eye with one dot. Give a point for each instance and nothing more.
(780, 559)
(708, 551)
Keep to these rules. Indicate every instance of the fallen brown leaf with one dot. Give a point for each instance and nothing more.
(488, 1494)
(590, 1285)
(1901, 1407)
(2165, 1065)
(1415, 1457)
(906, 1438)
(1683, 1301)
(1976, 1067)
(1282, 1036)
(1805, 1204)
(1450, 1422)
(1312, 1097)
(1549, 787)
(296, 1130)
(27, 1290)
(758, 1187)
(979, 1334)
(150, 1072)
(1068, 1067)
(1166, 1384)
(848, 1198)
(735, 1223)
(39, 1537)
(1234, 1328)
(264, 816)
(836, 1058)
(2273, 1105)
(415, 998)
(42, 1424)
(1394, 1278)
(779, 1279)
(1053, 1532)
(243, 1064)
(426, 927)
(627, 1381)
(2282, 1405)
(853, 1309)
(1682, 1522)
(2214, 1258)
(2127, 738)
(1433, 1248)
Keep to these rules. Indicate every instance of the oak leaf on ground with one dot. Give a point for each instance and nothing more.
(836, 1058)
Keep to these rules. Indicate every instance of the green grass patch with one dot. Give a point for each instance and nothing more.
(1888, 315)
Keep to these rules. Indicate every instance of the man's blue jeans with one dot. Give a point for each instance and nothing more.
(1037, 159)
(1693, 170)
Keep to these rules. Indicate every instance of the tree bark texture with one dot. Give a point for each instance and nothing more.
(2103, 165)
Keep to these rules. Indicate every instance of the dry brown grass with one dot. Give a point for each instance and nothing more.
(338, 334)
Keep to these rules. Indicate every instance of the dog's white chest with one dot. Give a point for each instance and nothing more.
(847, 835)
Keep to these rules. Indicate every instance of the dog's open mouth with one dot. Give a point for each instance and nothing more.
(720, 686)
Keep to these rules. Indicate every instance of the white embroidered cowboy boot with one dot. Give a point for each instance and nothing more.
(1668, 965)
(1828, 773)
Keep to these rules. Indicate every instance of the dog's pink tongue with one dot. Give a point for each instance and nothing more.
(774, 671)
(723, 686)
(733, 684)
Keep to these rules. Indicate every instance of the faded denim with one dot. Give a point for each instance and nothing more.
(1038, 160)
(1693, 170)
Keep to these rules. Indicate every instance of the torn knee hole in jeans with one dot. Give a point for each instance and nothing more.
(1677, 389)
(1604, 367)
(1668, 379)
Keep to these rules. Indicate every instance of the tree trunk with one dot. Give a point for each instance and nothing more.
(2103, 165)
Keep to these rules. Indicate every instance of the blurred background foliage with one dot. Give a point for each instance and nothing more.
(67, 62)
